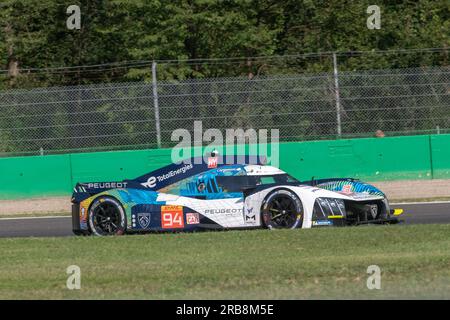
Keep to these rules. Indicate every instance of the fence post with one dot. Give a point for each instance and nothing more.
(156, 105)
(337, 96)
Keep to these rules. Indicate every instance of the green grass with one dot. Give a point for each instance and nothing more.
(259, 264)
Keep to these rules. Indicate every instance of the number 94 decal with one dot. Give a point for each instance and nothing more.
(172, 217)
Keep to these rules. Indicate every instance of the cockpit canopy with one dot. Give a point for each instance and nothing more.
(228, 181)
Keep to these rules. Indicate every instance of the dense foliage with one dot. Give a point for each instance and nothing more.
(34, 35)
(207, 39)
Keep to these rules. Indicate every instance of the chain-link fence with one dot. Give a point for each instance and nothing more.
(302, 106)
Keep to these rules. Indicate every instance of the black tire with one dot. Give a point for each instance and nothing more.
(107, 217)
(282, 209)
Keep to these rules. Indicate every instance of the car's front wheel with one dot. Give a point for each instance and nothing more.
(107, 217)
(282, 209)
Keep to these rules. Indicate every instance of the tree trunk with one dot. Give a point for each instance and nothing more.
(13, 63)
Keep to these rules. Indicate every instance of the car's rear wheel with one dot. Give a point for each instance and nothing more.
(282, 209)
(107, 217)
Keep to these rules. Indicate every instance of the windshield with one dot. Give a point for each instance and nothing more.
(236, 183)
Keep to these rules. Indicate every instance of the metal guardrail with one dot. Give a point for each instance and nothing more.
(138, 115)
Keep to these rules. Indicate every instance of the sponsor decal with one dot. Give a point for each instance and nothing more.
(107, 185)
(223, 211)
(151, 181)
(143, 219)
(226, 170)
(84, 205)
(250, 216)
(172, 217)
(192, 218)
(347, 188)
(212, 162)
(322, 223)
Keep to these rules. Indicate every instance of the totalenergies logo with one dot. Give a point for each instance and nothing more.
(151, 182)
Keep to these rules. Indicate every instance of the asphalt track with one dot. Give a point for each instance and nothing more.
(414, 213)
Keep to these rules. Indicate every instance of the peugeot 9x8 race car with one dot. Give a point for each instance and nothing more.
(210, 195)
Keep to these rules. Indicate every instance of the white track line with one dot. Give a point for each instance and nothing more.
(38, 217)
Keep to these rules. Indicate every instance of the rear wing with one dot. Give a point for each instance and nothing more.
(165, 176)
(85, 190)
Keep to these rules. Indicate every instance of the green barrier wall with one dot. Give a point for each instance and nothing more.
(440, 155)
(116, 166)
(371, 159)
(35, 176)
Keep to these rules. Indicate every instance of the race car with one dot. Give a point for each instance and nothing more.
(213, 194)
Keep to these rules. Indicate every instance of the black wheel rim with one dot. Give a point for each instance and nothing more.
(282, 211)
(106, 218)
